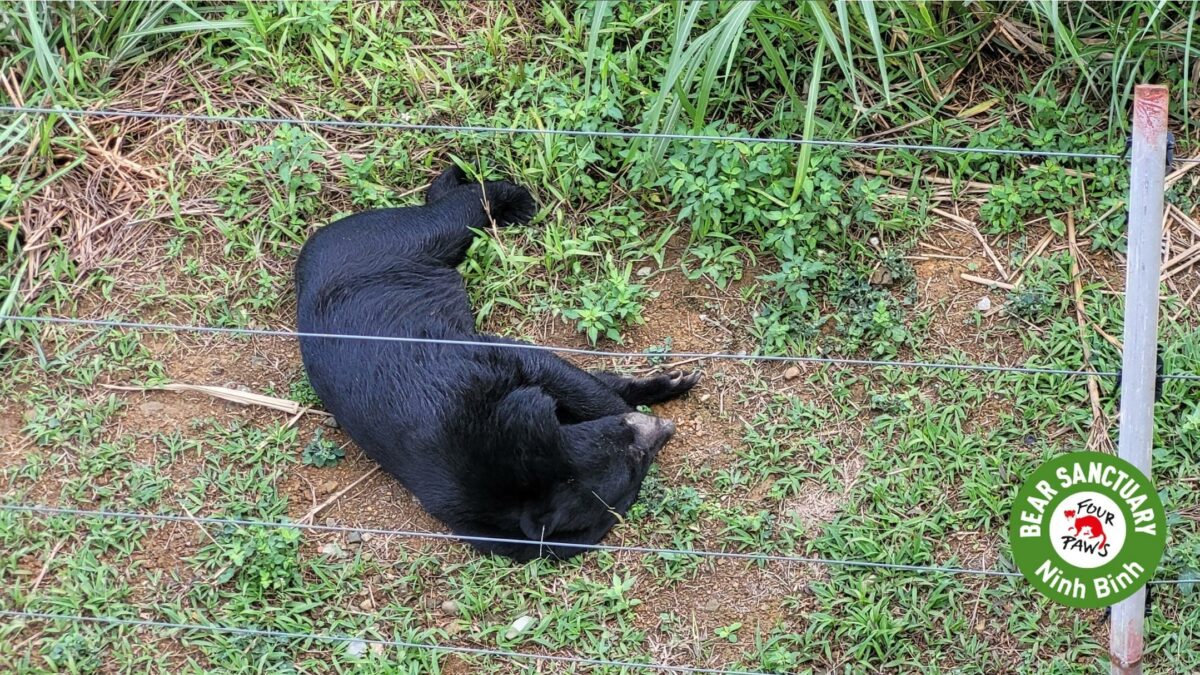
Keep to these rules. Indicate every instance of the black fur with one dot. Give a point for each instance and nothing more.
(494, 442)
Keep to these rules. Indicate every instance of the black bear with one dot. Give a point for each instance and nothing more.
(495, 441)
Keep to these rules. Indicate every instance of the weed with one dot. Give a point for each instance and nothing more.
(301, 391)
(322, 452)
(716, 261)
(604, 308)
(259, 560)
(1044, 292)
(59, 419)
(285, 172)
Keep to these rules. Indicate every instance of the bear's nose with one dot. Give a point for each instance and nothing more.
(649, 433)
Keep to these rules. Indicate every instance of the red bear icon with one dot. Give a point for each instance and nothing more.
(1091, 523)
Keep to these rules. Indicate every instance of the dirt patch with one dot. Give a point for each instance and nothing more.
(727, 595)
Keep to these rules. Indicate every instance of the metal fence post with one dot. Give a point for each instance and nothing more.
(1138, 363)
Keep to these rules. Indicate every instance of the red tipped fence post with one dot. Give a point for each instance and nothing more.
(1139, 360)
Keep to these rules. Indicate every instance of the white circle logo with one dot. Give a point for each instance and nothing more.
(1088, 530)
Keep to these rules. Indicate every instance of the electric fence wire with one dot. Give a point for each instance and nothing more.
(726, 356)
(442, 536)
(584, 133)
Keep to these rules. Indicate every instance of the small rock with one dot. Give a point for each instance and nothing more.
(327, 486)
(874, 241)
(704, 397)
(791, 373)
(330, 422)
(450, 608)
(711, 606)
(367, 536)
(519, 626)
(356, 648)
(333, 550)
(984, 304)
(377, 649)
(152, 408)
(366, 605)
(645, 271)
(354, 538)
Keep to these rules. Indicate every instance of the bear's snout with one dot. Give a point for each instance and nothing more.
(650, 433)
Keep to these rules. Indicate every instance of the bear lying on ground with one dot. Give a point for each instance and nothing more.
(494, 441)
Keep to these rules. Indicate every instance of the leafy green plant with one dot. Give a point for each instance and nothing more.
(1191, 421)
(259, 560)
(322, 452)
(624, 223)
(284, 172)
(796, 280)
(301, 391)
(61, 418)
(727, 187)
(729, 632)
(604, 308)
(716, 260)
(73, 651)
(663, 348)
(1043, 293)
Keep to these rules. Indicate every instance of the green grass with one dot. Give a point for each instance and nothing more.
(688, 246)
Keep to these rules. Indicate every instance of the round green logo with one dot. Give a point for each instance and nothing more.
(1088, 529)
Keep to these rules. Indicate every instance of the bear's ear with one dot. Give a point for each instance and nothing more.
(451, 178)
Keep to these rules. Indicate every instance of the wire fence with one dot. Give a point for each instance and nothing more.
(49, 511)
(668, 553)
(584, 133)
(644, 355)
(440, 536)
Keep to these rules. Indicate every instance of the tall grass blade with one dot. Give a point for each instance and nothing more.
(810, 118)
(1063, 38)
(722, 50)
(675, 65)
(843, 15)
(599, 14)
(44, 57)
(868, 10)
(781, 70)
(691, 61)
(824, 23)
(1187, 69)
